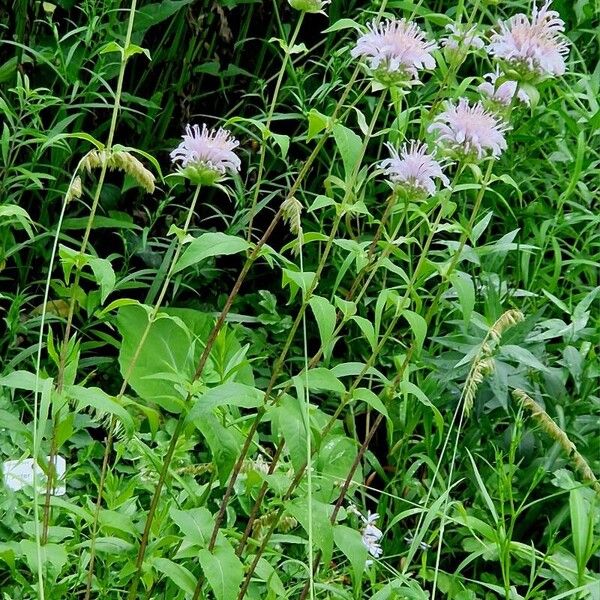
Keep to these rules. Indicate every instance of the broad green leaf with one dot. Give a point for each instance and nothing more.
(111, 47)
(116, 304)
(407, 387)
(165, 363)
(297, 280)
(418, 326)
(110, 545)
(523, 357)
(12, 212)
(317, 122)
(349, 145)
(104, 274)
(289, 421)
(157, 12)
(208, 245)
(367, 330)
(24, 380)
(343, 24)
(53, 554)
(335, 459)
(372, 399)
(346, 307)
(223, 570)
(322, 528)
(465, 290)
(324, 313)
(112, 520)
(480, 227)
(227, 394)
(321, 201)
(196, 524)
(283, 141)
(225, 443)
(21, 380)
(582, 527)
(321, 378)
(227, 349)
(178, 574)
(349, 541)
(101, 402)
(133, 49)
(266, 572)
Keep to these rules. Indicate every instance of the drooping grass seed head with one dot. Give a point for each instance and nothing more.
(395, 51)
(206, 155)
(413, 170)
(535, 49)
(75, 189)
(469, 132)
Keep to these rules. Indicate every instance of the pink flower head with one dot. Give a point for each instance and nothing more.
(458, 39)
(535, 49)
(396, 50)
(470, 131)
(413, 169)
(503, 93)
(206, 155)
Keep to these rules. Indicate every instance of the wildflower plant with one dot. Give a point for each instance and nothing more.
(413, 170)
(206, 155)
(469, 131)
(222, 377)
(395, 50)
(533, 47)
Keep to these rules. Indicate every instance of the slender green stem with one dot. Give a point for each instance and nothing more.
(370, 362)
(429, 316)
(309, 482)
(181, 420)
(305, 303)
(263, 147)
(37, 436)
(41, 539)
(134, 359)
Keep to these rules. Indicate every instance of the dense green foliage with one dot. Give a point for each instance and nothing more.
(189, 349)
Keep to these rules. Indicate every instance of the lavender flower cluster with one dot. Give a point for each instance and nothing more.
(525, 50)
(396, 51)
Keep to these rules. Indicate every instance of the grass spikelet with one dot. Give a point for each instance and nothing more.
(126, 162)
(479, 371)
(483, 363)
(94, 159)
(505, 321)
(75, 189)
(195, 470)
(122, 161)
(552, 430)
(284, 524)
(292, 211)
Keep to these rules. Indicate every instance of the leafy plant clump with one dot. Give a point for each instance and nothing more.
(300, 300)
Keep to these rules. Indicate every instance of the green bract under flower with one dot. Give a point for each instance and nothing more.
(309, 6)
